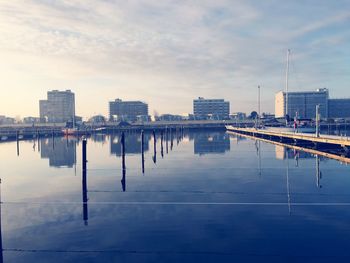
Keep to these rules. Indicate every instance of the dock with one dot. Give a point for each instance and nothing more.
(298, 139)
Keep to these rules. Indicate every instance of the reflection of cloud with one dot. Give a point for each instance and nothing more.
(146, 48)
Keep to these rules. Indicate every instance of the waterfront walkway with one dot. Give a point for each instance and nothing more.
(296, 138)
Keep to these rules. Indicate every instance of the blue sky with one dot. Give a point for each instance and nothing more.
(169, 52)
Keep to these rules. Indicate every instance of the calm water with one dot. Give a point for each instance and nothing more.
(206, 197)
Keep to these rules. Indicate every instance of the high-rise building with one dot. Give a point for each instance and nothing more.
(127, 110)
(59, 106)
(303, 104)
(339, 108)
(214, 108)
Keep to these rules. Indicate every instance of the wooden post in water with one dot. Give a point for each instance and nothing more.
(154, 147)
(17, 140)
(161, 143)
(84, 183)
(166, 139)
(143, 152)
(171, 140)
(123, 181)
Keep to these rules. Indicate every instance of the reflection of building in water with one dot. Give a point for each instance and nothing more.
(132, 143)
(282, 153)
(60, 152)
(211, 142)
(99, 138)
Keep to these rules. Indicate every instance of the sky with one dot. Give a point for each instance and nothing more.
(169, 52)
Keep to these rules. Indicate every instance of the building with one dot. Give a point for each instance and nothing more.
(238, 116)
(126, 110)
(211, 108)
(169, 117)
(31, 120)
(59, 106)
(339, 108)
(6, 120)
(302, 103)
(97, 119)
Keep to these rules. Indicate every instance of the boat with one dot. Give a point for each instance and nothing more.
(70, 131)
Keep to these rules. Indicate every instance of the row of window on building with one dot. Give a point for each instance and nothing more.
(303, 104)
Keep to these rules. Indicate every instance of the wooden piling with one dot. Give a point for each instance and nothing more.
(143, 152)
(84, 182)
(123, 181)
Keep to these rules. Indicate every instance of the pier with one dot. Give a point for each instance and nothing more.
(297, 139)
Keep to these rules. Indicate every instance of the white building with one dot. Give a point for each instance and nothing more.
(302, 103)
(59, 106)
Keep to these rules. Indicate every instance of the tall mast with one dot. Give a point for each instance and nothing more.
(259, 116)
(287, 71)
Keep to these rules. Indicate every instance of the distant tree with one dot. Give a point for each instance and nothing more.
(253, 115)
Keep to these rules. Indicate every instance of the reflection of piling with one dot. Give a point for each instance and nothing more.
(161, 144)
(17, 140)
(84, 184)
(38, 139)
(318, 172)
(154, 147)
(143, 151)
(123, 181)
(53, 139)
(166, 140)
(171, 140)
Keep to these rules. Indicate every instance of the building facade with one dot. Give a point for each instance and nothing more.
(213, 108)
(59, 106)
(127, 110)
(339, 108)
(302, 104)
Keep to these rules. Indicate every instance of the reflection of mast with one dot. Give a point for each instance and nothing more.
(84, 185)
(258, 152)
(288, 190)
(318, 172)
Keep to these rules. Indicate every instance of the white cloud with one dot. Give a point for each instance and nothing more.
(152, 49)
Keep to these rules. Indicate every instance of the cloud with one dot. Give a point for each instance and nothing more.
(153, 49)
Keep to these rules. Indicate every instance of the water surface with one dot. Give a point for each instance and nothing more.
(202, 197)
